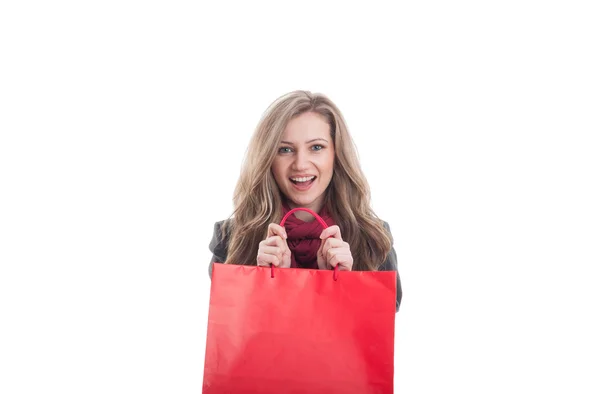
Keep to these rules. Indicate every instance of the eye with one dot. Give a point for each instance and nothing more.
(285, 149)
(317, 147)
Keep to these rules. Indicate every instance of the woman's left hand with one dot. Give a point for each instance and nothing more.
(334, 251)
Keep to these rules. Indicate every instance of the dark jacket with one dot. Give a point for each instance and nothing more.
(218, 246)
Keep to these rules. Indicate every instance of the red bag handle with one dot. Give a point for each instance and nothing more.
(319, 219)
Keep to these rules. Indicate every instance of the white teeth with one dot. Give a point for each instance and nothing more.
(303, 179)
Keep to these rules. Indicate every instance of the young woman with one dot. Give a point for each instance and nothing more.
(301, 155)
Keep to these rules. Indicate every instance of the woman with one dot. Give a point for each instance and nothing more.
(301, 155)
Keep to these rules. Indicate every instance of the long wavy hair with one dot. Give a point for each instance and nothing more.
(258, 200)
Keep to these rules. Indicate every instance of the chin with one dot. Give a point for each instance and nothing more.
(304, 202)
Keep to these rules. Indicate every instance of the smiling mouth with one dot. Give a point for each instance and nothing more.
(303, 180)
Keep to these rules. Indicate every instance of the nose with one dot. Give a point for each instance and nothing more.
(301, 161)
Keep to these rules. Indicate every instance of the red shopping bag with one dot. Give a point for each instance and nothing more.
(300, 330)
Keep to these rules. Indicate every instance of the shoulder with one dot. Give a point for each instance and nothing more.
(220, 239)
(390, 263)
(386, 226)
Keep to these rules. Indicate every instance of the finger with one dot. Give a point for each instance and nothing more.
(264, 260)
(331, 231)
(275, 229)
(276, 240)
(331, 243)
(272, 250)
(320, 251)
(342, 260)
(321, 260)
(283, 245)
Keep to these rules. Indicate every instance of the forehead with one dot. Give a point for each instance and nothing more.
(306, 127)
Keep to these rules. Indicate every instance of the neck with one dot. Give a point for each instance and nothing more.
(305, 216)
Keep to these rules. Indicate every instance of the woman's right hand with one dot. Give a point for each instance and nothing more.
(274, 249)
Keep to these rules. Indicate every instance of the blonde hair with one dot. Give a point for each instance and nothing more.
(258, 201)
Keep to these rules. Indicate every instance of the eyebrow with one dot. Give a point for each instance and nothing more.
(307, 142)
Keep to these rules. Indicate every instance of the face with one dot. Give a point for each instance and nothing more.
(303, 166)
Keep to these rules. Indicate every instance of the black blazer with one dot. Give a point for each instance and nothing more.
(219, 243)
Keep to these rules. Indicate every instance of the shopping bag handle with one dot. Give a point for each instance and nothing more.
(319, 219)
(316, 215)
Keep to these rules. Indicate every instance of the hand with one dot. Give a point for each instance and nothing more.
(334, 251)
(274, 249)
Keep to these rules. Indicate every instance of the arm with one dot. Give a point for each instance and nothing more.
(391, 264)
(218, 247)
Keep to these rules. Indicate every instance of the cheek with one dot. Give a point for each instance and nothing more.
(326, 164)
(278, 170)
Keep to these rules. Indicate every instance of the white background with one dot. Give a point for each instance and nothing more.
(123, 126)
